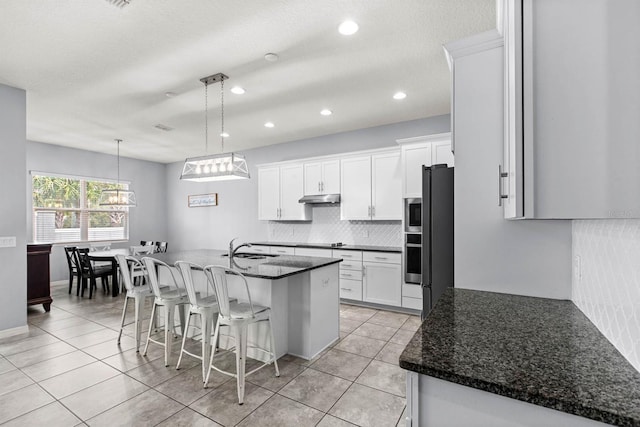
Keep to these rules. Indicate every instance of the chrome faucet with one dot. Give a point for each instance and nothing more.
(233, 251)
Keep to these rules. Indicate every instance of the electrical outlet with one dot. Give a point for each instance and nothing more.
(8, 242)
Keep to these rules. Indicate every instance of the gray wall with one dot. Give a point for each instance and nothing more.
(237, 210)
(493, 254)
(148, 221)
(13, 261)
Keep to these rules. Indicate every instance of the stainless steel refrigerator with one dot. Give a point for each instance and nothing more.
(437, 234)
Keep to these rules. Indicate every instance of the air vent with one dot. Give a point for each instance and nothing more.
(119, 3)
(163, 127)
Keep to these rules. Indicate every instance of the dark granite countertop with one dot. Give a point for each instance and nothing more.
(537, 350)
(270, 267)
(328, 246)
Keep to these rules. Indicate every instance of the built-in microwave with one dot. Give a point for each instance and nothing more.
(412, 215)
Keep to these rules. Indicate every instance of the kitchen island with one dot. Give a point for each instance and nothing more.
(301, 291)
(483, 358)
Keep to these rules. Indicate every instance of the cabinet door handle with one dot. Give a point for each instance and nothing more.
(373, 211)
(319, 186)
(364, 271)
(369, 211)
(322, 186)
(501, 175)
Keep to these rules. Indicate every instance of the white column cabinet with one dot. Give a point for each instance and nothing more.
(371, 187)
(322, 177)
(279, 189)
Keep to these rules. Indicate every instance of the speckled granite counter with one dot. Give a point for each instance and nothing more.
(328, 246)
(270, 267)
(537, 350)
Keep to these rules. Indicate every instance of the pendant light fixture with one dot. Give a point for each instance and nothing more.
(215, 167)
(117, 197)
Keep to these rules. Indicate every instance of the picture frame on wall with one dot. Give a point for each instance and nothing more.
(202, 200)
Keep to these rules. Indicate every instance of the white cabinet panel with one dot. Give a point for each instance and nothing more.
(291, 190)
(382, 283)
(312, 178)
(351, 289)
(331, 177)
(412, 303)
(269, 193)
(386, 187)
(415, 156)
(355, 187)
(385, 257)
(348, 255)
(441, 153)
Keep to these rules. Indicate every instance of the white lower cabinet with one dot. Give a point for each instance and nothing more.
(350, 289)
(317, 252)
(412, 296)
(382, 278)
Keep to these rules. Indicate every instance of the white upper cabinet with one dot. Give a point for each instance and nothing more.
(322, 177)
(386, 187)
(371, 187)
(279, 189)
(269, 193)
(422, 151)
(572, 102)
(355, 191)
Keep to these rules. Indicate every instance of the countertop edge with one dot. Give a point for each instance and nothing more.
(256, 276)
(523, 396)
(373, 248)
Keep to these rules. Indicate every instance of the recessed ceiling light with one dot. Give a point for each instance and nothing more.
(348, 28)
(269, 125)
(326, 112)
(271, 57)
(399, 95)
(237, 90)
(224, 135)
(169, 94)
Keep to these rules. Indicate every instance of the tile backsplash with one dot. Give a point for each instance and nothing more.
(606, 280)
(327, 227)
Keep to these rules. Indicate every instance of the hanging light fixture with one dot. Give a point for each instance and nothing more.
(215, 167)
(117, 197)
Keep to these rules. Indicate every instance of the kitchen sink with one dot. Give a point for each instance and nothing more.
(247, 255)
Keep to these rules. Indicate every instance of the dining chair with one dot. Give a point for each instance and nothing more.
(238, 316)
(139, 294)
(91, 272)
(171, 296)
(147, 243)
(74, 267)
(161, 247)
(206, 306)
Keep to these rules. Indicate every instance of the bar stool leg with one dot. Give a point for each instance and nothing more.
(153, 313)
(214, 344)
(169, 316)
(124, 312)
(241, 359)
(206, 318)
(139, 304)
(184, 339)
(273, 347)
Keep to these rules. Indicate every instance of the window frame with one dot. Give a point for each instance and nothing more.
(82, 210)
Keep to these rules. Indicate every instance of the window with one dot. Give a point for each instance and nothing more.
(66, 209)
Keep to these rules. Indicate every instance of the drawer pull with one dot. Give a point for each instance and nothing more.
(381, 257)
(345, 289)
(346, 274)
(346, 256)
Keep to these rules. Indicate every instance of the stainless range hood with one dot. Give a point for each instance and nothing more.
(320, 199)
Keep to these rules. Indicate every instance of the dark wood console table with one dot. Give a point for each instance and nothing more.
(38, 289)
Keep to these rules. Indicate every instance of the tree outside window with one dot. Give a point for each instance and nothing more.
(66, 209)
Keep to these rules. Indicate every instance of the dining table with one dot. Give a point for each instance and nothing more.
(110, 256)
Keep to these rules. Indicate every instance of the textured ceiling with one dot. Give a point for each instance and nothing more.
(94, 71)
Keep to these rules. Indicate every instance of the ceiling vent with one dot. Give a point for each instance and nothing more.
(163, 127)
(119, 3)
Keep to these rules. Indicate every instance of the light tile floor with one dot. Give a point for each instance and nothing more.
(68, 370)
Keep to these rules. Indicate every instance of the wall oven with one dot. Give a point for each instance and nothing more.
(413, 258)
(413, 215)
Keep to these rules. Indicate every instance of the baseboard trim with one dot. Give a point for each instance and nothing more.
(6, 333)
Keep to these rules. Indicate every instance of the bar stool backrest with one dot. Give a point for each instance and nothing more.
(186, 269)
(153, 268)
(218, 276)
(127, 264)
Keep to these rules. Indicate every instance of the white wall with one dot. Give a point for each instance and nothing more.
(13, 206)
(606, 280)
(237, 210)
(147, 221)
(492, 254)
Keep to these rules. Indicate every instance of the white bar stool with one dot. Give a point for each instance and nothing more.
(206, 307)
(238, 316)
(168, 297)
(139, 294)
